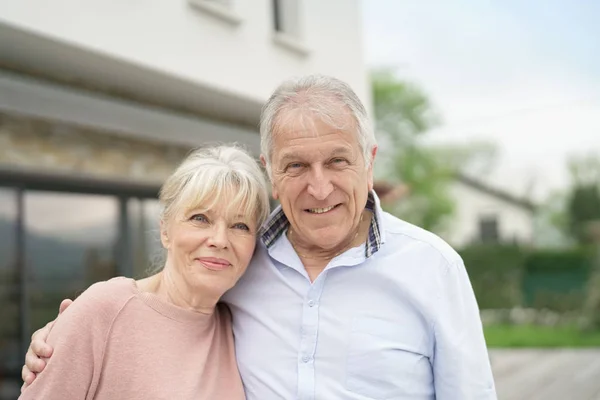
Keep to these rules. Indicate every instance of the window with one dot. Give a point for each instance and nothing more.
(287, 24)
(488, 229)
(144, 233)
(285, 17)
(222, 9)
(58, 235)
(11, 349)
(71, 241)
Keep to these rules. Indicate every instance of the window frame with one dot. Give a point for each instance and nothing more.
(218, 9)
(290, 38)
(22, 181)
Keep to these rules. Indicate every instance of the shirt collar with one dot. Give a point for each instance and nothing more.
(278, 223)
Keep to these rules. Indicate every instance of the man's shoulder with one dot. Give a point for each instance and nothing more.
(402, 234)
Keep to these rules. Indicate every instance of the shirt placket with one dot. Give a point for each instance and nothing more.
(308, 342)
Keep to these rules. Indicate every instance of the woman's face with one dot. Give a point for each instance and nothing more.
(211, 249)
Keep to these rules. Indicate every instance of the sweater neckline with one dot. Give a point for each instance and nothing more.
(172, 311)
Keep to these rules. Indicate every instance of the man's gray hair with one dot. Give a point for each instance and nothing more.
(321, 96)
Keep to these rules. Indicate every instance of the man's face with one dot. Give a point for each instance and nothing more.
(321, 180)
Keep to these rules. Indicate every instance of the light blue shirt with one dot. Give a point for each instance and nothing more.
(393, 319)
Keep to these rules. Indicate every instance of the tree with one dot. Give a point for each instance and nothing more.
(403, 116)
(583, 211)
(583, 204)
(402, 110)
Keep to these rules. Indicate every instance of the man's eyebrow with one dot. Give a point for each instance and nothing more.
(295, 156)
(289, 157)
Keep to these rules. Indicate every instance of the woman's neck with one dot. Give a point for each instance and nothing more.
(173, 289)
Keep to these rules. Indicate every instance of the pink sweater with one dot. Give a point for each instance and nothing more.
(115, 342)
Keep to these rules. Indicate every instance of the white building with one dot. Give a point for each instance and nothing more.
(487, 215)
(99, 100)
(482, 214)
(208, 65)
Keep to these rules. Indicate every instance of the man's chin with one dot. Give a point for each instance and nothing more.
(327, 241)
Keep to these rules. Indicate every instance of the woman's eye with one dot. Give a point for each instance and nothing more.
(241, 226)
(199, 218)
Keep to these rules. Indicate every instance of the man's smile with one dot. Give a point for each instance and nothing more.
(321, 210)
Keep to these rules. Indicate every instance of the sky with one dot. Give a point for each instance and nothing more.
(524, 75)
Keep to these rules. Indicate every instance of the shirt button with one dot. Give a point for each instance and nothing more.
(305, 359)
(311, 303)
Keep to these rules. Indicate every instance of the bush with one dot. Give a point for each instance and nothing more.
(557, 280)
(496, 274)
(508, 276)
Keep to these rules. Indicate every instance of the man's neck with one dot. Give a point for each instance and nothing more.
(315, 259)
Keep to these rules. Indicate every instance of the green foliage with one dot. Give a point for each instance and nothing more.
(496, 273)
(552, 222)
(403, 115)
(539, 336)
(583, 208)
(583, 199)
(565, 218)
(559, 260)
(402, 110)
(429, 204)
(506, 276)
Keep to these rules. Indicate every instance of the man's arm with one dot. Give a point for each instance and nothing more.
(461, 364)
(39, 350)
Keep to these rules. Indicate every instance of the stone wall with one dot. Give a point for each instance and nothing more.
(53, 146)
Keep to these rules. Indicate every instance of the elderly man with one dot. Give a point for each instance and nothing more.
(342, 300)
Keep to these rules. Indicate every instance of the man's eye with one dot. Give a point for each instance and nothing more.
(199, 218)
(294, 166)
(338, 160)
(241, 226)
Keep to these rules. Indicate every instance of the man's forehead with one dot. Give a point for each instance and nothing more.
(306, 119)
(309, 133)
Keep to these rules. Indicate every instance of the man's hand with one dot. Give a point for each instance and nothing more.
(39, 349)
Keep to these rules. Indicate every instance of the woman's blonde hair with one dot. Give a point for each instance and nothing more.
(214, 176)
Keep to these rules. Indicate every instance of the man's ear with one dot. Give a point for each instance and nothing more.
(274, 192)
(164, 236)
(370, 172)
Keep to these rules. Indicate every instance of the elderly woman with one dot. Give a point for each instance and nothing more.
(166, 336)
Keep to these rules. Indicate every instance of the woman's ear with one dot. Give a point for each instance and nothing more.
(164, 236)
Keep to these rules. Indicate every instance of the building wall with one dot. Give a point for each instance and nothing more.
(180, 40)
(514, 222)
(54, 146)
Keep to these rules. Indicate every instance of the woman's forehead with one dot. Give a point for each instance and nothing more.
(225, 207)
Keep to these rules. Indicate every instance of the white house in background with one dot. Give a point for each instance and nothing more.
(100, 100)
(488, 215)
(482, 214)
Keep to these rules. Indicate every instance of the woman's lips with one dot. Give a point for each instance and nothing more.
(214, 264)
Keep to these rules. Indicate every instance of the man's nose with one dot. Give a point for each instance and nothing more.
(219, 237)
(319, 185)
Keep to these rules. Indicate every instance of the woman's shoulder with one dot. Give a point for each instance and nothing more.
(106, 298)
(93, 313)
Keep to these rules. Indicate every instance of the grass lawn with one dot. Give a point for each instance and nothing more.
(539, 336)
